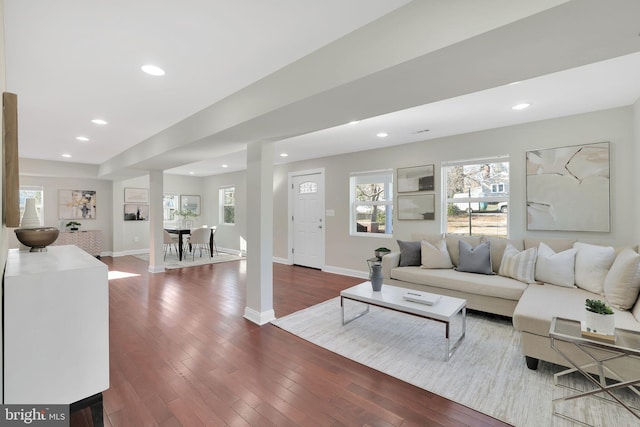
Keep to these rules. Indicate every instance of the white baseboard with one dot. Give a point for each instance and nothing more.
(346, 272)
(279, 260)
(131, 252)
(259, 318)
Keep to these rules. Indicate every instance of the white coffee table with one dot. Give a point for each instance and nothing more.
(391, 297)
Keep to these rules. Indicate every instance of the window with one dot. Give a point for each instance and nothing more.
(477, 197)
(227, 197)
(371, 202)
(32, 192)
(170, 207)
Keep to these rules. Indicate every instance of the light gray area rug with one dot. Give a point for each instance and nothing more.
(172, 261)
(487, 372)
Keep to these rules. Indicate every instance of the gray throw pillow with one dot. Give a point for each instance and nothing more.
(474, 260)
(410, 254)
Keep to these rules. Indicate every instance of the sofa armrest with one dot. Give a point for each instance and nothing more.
(389, 261)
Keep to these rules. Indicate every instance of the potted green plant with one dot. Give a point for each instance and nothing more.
(187, 216)
(73, 225)
(380, 252)
(599, 317)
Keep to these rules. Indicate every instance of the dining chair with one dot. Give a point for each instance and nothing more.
(200, 239)
(169, 241)
(213, 238)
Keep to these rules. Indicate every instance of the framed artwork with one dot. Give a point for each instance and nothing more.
(568, 188)
(136, 212)
(417, 207)
(136, 195)
(417, 178)
(191, 203)
(77, 204)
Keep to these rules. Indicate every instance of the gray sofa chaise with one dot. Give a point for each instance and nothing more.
(565, 274)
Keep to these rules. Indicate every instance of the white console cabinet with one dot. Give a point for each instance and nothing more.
(56, 326)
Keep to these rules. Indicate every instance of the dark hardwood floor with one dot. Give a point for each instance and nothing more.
(181, 354)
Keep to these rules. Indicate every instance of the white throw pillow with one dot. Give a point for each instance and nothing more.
(518, 265)
(556, 268)
(592, 265)
(435, 255)
(622, 284)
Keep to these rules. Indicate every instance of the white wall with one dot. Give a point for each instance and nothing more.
(51, 186)
(228, 236)
(344, 252)
(636, 159)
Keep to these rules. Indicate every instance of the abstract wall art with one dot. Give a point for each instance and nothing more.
(568, 188)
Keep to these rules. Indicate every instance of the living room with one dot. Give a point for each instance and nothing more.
(346, 252)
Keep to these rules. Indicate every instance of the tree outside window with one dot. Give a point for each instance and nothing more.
(372, 202)
(477, 197)
(227, 196)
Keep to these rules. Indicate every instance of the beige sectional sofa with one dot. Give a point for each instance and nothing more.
(613, 273)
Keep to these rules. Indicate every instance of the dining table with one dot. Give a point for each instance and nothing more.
(180, 231)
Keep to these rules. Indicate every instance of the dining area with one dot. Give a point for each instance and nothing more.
(187, 240)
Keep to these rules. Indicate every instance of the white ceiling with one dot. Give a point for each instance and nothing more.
(71, 61)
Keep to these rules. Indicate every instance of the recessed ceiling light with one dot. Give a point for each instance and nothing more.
(66, 155)
(382, 135)
(284, 155)
(521, 106)
(99, 121)
(354, 122)
(225, 166)
(82, 138)
(152, 70)
(191, 173)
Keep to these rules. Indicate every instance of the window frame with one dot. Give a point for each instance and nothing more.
(388, 202)
(222, 204)
(445, 200)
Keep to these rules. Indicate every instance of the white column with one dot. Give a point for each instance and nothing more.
(156, 218)
(259, 307)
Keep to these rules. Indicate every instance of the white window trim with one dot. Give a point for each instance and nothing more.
(222, 205)
(353, 204)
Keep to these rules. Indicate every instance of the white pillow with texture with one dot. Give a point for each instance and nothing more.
(435, 255)
(556, 268)
(622, 284)
(592, 265)
(518, 265)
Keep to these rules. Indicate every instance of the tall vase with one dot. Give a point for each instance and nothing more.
(376, 277)
(30, 217)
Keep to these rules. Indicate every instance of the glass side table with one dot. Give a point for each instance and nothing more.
(598, 354)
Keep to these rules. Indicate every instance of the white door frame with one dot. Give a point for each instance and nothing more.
(291, 175)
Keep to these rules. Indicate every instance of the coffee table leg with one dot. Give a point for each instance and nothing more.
(354, 317)
(450, 349)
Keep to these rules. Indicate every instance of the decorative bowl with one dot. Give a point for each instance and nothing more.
(37, 238)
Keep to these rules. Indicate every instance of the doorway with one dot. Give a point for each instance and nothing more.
(306, 230)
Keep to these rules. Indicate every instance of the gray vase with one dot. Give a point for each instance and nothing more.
(376, 277)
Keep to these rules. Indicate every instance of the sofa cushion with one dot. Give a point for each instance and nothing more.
(540, 303)
(452, 245)
(636, 311)
(474, 260)
(479, 284)
(622, 283)
(409, 253)
(556, 268)
(498, 244)
(592, 264)
(519, 265)
(435, 256)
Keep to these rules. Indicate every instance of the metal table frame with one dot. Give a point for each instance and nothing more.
(590, 348)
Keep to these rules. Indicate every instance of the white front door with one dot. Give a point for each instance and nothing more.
(307, 220)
